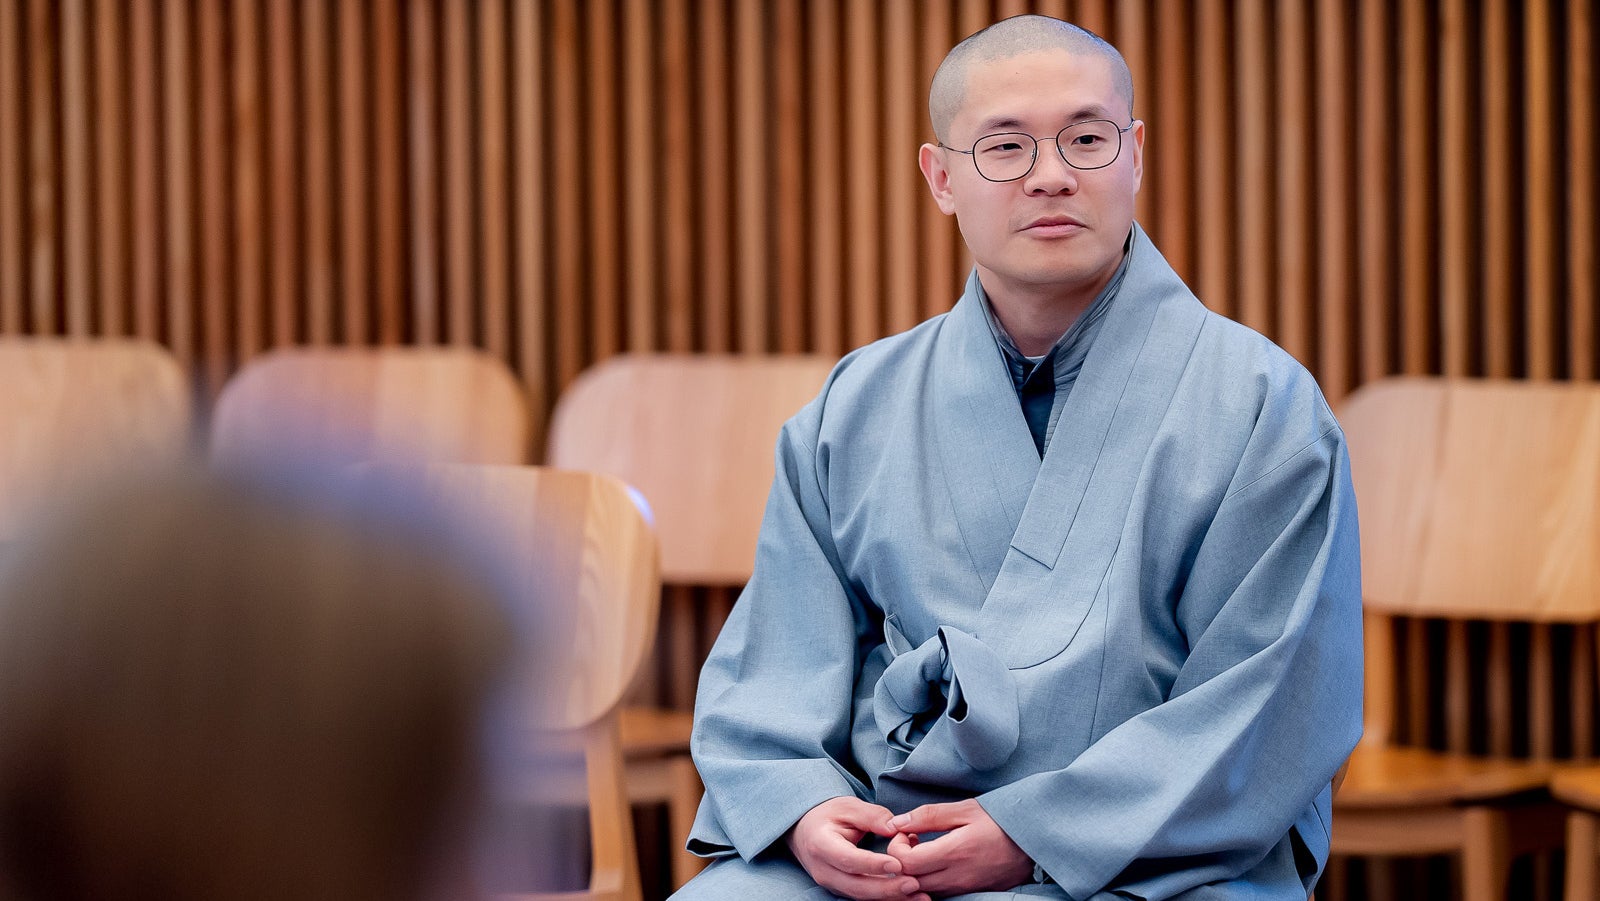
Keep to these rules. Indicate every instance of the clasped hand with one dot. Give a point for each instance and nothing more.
(972, 855)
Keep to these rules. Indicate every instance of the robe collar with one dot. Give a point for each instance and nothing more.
(1022, 518)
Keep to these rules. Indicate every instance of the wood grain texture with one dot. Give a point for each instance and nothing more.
(585, 561)
(388, 404)
(79, 410)
(1479, 498)
(653, 420)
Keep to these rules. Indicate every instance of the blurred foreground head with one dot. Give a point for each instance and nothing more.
(243, 688)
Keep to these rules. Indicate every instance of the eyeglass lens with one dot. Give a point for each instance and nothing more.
(1085, 145)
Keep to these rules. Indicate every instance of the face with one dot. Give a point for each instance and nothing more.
(1057, 230)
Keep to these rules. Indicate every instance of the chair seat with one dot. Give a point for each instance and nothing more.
(1578, 786)
(1381, 777)
(652, 731)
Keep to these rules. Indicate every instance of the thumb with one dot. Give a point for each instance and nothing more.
(931, 818)
(872, 818)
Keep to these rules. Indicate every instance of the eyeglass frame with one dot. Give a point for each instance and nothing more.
(1055, 139)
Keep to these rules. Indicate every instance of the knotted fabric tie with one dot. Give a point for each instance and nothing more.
(980, 717)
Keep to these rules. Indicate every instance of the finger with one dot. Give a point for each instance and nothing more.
(934, 817)
(870, 817)
(901, 843)
(847, 858)
(926, 857)
(869, 888)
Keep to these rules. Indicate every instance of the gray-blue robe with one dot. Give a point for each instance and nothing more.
(1142, 654)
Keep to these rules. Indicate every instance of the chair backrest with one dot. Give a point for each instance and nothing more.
(1480, 543)
(346, 405)
(588, 561)
(73, 408)
(695, 434)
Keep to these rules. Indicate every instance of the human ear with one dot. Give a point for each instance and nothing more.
(1138, 152)
(931, 160)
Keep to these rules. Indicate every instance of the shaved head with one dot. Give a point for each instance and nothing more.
(1015, 37)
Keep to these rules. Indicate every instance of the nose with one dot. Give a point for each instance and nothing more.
(1051, 174)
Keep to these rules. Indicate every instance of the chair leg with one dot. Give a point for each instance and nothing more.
(681, 807)
(1583, 834)
(1486, 855)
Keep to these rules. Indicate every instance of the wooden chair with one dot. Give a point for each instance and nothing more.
(73, 409)
(696, 435)
(1480, 539)
(1579, 789)
(587, 558)
(348, 405)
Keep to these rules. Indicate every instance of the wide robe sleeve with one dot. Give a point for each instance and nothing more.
(773, 708)
(1264, 710)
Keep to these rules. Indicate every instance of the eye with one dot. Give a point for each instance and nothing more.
(1087, 140)
(1003, 146)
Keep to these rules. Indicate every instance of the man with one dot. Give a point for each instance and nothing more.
(1057, 593)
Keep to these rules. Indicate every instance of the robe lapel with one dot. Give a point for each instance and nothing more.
(1072, 521)
(989, 461)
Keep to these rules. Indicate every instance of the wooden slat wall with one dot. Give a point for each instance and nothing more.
(1380, 187)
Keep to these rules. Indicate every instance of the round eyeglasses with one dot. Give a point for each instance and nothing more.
(1008, 156)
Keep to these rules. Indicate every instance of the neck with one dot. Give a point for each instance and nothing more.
(1037, 317)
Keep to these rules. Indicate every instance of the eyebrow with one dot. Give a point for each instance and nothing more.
(994, 123)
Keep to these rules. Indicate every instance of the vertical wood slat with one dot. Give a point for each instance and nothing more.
(1453, 158)
(494, 179)
(1418, 695)
(1133, 41)
(1335, 291)
(1213, 117)
(248, 264)
(601, 142)
(529, 142)
(672, 68)
(1293, 288)
(1582, 681)
(827, 283)
(1252, 159)
(1539, 192)
(1375, 154)
(1498, 689)
(354, 279)
(1415, 140)
(900, 219)
(317, 152)
(1457, 690)
(1498, 236)
(862, 175)
(144, 121)
(283, 176)
(316, 146)
(754, 146)
(1541, 694)
(215, 277)
(938, 249)
(1583, 289)
(178, 157)
(1172, 122)
(716, 161)
(76, 223)
(420, 91)
(389, 182)
(44, 175)
(639, 130)
(566, 175)
(789, 244)
(12, 267)
(455, 104)
(111, 181)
